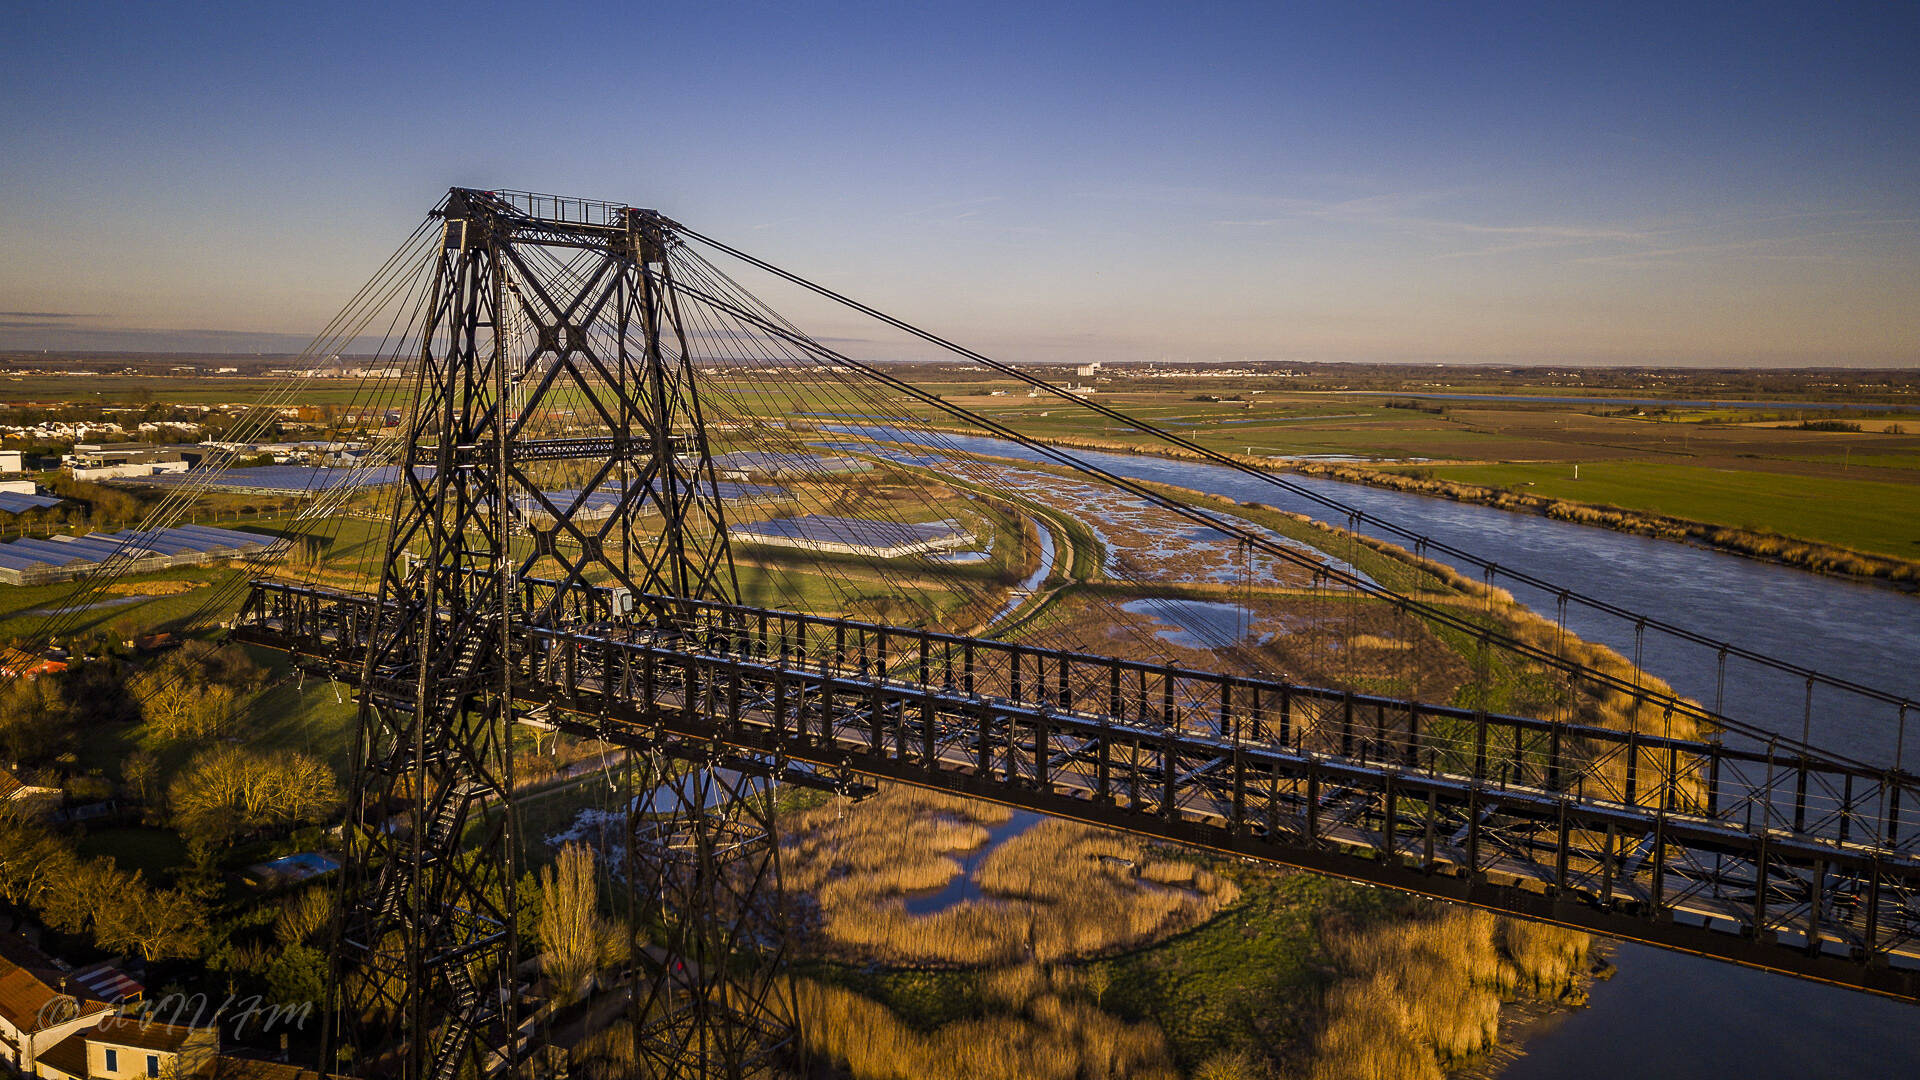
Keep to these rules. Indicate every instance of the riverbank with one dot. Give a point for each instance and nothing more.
(1813, 556)
(1526, 1018)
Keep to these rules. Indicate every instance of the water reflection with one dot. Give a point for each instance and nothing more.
(1196, 624)
(963, 887)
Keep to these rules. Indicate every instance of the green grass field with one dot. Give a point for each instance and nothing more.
(1870, 515)
(312, 716)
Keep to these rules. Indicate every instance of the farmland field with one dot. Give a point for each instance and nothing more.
(1870, 515)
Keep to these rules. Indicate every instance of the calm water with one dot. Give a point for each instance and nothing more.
(1665, 1014)
(963, 887)
(1195, 624)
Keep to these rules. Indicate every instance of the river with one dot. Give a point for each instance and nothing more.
(1665, 1014)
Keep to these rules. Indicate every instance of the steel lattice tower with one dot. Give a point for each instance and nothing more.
(553, 356)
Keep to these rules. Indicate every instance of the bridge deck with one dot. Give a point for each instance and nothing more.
(1788, 861)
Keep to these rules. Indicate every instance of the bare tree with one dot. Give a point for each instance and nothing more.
(303, 916)
(157, 924)
(31, 857)
(575, 940)
(229, 790)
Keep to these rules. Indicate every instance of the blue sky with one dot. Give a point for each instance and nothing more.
(1509, 183)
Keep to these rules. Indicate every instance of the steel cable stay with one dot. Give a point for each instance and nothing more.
(1345, 509)
(374, 296)
(568, 271)
(700, 270)
(346, 327)
(736, 293)
(1200, 516)
(866, 396)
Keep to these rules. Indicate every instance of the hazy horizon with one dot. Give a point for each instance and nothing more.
(1667, 186)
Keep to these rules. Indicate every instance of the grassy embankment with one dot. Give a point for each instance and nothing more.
(1872, 521)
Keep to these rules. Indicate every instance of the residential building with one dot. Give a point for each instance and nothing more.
(121, 1047)
(18, 663)
(39, 1006)
(14, 789)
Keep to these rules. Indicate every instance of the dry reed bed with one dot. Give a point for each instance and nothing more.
(1046, 1032)
(1056, 891)
(1422, 996)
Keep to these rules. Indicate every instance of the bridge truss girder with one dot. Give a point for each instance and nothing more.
(1791, 863)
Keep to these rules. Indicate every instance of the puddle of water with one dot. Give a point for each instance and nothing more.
(1196, 624)
(668, 797)
(963, 888)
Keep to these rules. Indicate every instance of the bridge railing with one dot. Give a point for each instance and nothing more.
(1644, 868)
(1756, 787)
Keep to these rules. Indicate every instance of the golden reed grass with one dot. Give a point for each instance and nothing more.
(1421, 996)
(1056, 891)
(1046, 1034)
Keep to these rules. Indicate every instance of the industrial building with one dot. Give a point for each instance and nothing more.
(580, 506)
(42, 561)
(854, 536)
(117, 461)
(19, 502)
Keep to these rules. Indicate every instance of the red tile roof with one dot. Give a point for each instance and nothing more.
(69, 1055)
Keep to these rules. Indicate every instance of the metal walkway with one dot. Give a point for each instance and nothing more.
(1785, 860)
